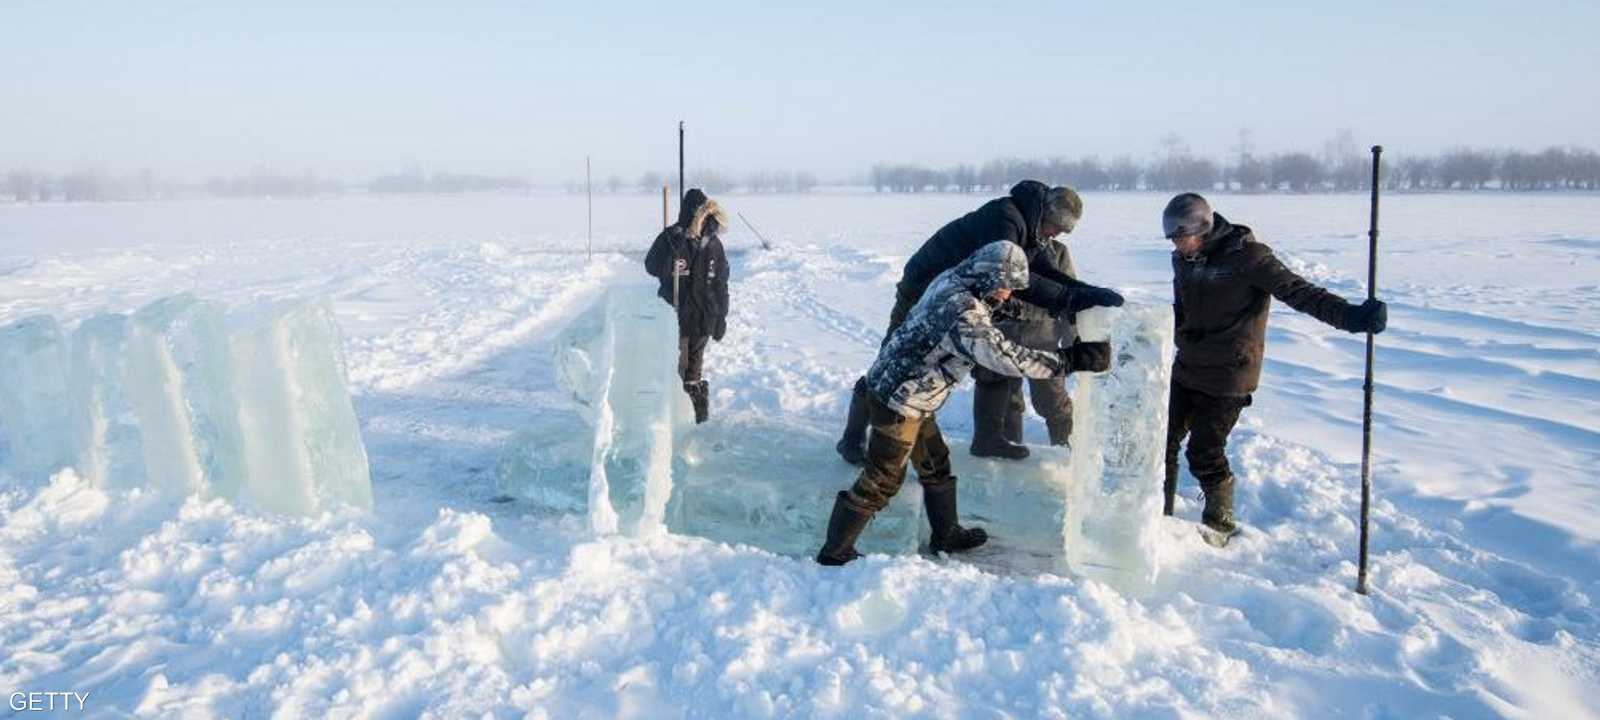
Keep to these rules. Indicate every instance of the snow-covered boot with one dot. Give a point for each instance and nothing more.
(1218, 513)
(948, 535)
(844, 526)
(852, 445)
(700, 396)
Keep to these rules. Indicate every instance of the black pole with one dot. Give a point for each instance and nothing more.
(1366, 388)
(681, 188)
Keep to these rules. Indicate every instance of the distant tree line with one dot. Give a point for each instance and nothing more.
(711, 180)
(21, 185)
(1177, 169)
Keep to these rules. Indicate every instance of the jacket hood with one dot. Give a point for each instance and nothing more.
(1224, 236)
(1030, 197)
(696, 210)
(1000, 264)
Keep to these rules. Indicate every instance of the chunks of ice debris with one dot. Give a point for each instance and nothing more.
(167, 398)
(181, 381)
(301, 441)
(617, 362)
(1119, 427)
(34, 412)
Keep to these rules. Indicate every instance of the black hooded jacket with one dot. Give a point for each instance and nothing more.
(1221, 299)
(703, 275)
(1015, 218)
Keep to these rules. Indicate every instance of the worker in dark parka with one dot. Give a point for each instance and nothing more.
(1223, 283)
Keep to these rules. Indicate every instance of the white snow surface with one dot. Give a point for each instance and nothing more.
(1485, 550)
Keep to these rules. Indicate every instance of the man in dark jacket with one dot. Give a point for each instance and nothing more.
(997, 404)
(1223, 282)
(688, 259)
(1028, 217)
(946, 334)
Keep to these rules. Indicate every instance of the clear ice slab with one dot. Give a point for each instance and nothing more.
(617, 361)
(1119, 429)
(109, 439)
(301, 441)
(180, 378)
(34, 409)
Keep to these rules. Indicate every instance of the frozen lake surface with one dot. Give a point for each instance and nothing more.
(1486, 565)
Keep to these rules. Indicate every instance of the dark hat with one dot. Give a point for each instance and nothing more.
(1186, 214)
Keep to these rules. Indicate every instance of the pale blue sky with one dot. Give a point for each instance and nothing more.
(192, 88)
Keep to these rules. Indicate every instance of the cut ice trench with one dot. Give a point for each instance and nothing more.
(643, 467)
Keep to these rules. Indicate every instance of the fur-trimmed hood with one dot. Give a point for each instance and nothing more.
(696, 209)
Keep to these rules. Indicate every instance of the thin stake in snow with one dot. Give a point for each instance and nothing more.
(1366, 388)
(588, 189)
(764, 244)
(681, 186)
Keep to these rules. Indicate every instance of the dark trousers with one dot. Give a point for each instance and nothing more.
(894, 439)
(995, 393)
(1207, 421)
(692, 357)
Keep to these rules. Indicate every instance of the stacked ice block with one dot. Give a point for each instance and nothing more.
(168, 399)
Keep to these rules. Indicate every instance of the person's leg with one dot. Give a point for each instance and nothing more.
(1016, 408)
(892, 439)
(931, 456)
(691, 367)
(1178, 408)
(851, 445)
(1050, 400)
(1211, 422)
(993, 395)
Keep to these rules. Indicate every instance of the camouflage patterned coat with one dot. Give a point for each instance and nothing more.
(951, 330)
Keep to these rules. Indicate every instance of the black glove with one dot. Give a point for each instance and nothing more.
(721, 329)
(1087, 356)
(1371, 316)
(1088, 296)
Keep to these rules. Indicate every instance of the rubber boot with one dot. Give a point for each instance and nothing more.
(844, 526)
(852, 445)
(948, 535)
(991, 411)
(1218, 513)
(699, 396)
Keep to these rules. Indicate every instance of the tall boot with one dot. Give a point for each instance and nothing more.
(852, 446)
(844, 526)
(991, 408)
(948, 535)
(699, 396)
(1218, 513)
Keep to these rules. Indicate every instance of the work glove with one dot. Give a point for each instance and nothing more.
(1083, 298)
(721, 329)
(1083, 356)
(1371, 316)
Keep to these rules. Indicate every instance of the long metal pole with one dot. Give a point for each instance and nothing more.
(588, 188)
(1366, 388)
(681, 186)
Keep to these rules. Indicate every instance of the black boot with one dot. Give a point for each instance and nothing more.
(948, 535)
(852, 445)
(844, 526)
(1218, 513)
(700, 396)
(991, 412)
